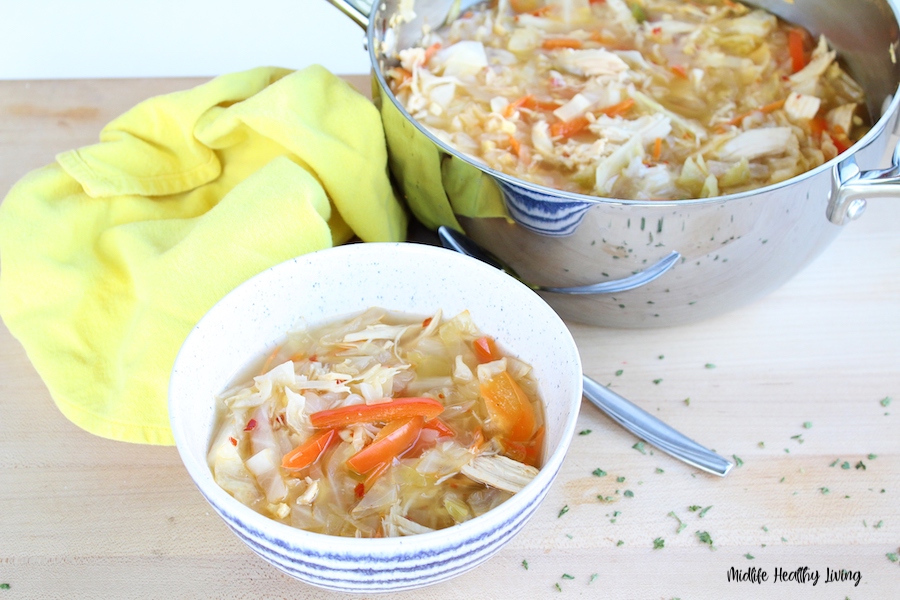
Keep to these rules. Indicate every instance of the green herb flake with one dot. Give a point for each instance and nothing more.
(797, 437)
(766, 529)
(681, 524)
(661, 356)
(558, 588)
(824, 490)
(657, 381)
(687, 401)
(872, 456)
(4, 586)
(593, 577)
(619, 372)
(584, 432)
(892, 556)
(705, 538)
(807, 425)
(567, 576)
(659, 543)
(836, 461)
(878, 524)
(603, 498)
(860, 466)
(694, 507)
(599, 472)
(563, 511)
(703, 512)
(710, 366)
(749, 556)
(737, 460)
(640, 447)
(886, 401)
(629, 494)
(620, 543)
(524, 564)
(620, 479)
(658, 470)
(761, 444)
(845, 465)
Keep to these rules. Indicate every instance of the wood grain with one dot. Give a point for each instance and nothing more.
(86, 517)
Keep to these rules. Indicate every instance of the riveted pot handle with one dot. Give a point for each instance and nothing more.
(358, 10)
(850, 188)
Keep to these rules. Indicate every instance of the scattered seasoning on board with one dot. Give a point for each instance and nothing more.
(629, 494)
(658, 470)
(737, 460)
(694, 507)
(749, 556)
(861, 466)
(620, 479)
(703, 512)
(584, 432)
(599, 472)
(659, 543)
(824, 490)
(567, 576)
(687, 401)
(524, 564)
(681, 524)
(886, 401)
(4, 586)
(710, 366)
(619, 372)
(807, 425)
(836, 461)
(558, 588)
(657, 381)
(845, 465)
(563, 511)
(640, 447)
(705, 538)
(872, 456)
(622, 543)
(593, 577)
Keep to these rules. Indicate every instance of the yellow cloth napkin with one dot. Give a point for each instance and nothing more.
(111, 255)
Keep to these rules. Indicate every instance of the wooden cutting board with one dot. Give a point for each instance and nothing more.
(793, 385)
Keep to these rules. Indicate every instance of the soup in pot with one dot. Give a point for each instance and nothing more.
(641, 99)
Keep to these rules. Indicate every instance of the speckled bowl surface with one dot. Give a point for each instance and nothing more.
(327, 285)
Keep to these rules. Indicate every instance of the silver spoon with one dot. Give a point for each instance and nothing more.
(622, 411)
(454, 240)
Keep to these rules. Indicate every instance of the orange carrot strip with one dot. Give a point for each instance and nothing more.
(513, 106)
(765, 109)
(392, 441)
(557, 43)
(795, 47)
(618, 109)
(566, 129)
(657, 149)
(514, 145)
(508, 406)
(486, 349)
(431, 51)
(397, 408)
(679, 71)
(442, 428)
(309, 451)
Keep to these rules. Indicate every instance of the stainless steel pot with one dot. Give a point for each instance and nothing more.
(735, 249)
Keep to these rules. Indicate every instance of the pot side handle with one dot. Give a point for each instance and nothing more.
(850, 188)
(358, 10)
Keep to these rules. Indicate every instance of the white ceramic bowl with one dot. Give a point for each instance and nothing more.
(329, 284)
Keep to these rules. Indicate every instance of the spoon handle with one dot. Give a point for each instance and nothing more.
(652, 430)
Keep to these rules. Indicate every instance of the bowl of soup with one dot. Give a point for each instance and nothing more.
(376, 417)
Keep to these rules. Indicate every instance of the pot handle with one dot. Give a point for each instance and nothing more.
(850, 188)
(358, 10)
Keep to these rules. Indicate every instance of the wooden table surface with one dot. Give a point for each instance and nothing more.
(798, 391)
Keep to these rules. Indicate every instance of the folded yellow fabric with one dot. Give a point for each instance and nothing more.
(111, 255)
